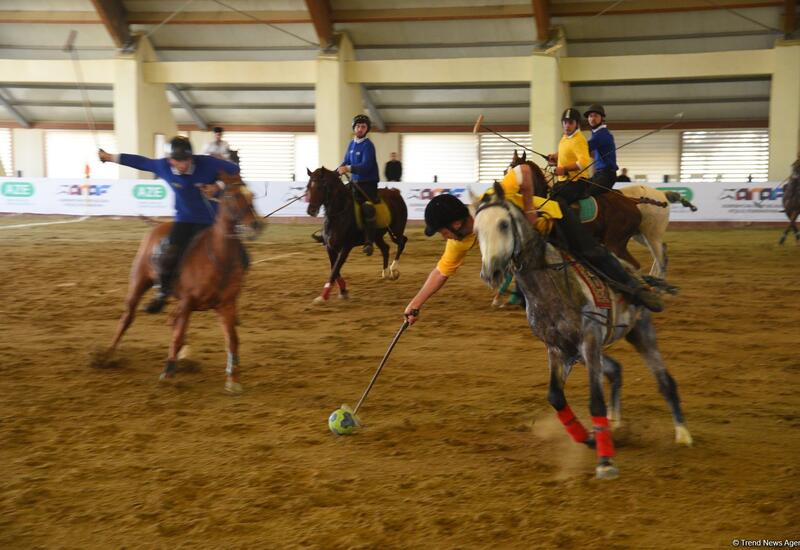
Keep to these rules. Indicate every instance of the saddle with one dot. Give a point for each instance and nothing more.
(586, 209)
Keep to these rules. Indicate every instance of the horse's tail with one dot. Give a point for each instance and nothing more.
(648, 200)
(674, 196)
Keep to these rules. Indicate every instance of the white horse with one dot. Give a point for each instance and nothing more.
(576, 315)
(655, 219)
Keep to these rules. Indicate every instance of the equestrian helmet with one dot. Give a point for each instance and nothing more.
(362, 118)
(571, 114)
(180, 148)
(595, 108)
(443, 210)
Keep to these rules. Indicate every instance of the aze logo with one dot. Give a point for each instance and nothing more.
(149, 192)
(17, 189)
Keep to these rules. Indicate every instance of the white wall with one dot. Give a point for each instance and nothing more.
(28, 152)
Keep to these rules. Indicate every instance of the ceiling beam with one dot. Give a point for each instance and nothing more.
(320, 12)
(188, 107)
(13, 112)
(541, 12)
(789, 16)
(112, 14)
(374, 113)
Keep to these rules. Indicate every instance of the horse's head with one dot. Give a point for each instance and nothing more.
(540, 185)
(320, 186)
(237, 206)
(500, 227)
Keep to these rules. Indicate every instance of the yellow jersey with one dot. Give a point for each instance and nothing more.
(571, 149)
(455, 251)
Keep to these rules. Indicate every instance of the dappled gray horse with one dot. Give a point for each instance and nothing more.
(791, 202)
(576, 315)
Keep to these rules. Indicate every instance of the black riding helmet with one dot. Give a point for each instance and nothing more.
(595, 108)
(443, 210)
(362, 118)
(571, 114)
(180, 148)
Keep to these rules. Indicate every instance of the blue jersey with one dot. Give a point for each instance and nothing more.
(360, 157)
(603, 149)
(190, 203)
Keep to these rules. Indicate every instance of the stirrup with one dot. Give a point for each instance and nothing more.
(649, 299)
(367, 249)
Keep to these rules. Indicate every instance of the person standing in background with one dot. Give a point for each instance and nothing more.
(394, 169)
(624, 176)
(218, 148)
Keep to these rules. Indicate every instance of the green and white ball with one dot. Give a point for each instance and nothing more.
(342, 421)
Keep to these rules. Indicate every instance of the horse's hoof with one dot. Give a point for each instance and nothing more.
(497, 302)
(232, 386)
(615, 421)
(385, 275)
(344, 295)
(319, 300)
(606, 471)
(682, 436)
(394, 275)
(166, 377)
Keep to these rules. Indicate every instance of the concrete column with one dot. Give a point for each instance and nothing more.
(28, 152)
(141, 109)
(337, 102)
(549, 97)
(784, 110)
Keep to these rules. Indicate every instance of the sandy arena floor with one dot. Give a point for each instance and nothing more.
(460, 447)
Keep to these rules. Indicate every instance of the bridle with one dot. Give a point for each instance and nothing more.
(327, 192)
(515, 232)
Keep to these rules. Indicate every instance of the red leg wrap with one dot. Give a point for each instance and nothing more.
(341, 283)
(574, 427)
(326, 291)
(602, 436)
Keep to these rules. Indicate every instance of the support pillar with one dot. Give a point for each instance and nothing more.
(549, 97)
(337, 102)
(784, 110)
(141, 109)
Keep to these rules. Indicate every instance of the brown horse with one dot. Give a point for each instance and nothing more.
(791, 202)
(340, 232)
(618, 218)
(210, 277)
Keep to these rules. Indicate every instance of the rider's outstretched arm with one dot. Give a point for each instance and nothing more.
(432, 285)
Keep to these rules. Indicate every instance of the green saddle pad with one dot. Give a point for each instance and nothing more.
(587, 209)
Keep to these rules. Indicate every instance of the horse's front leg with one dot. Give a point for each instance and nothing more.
(591, 350)
(384, 248)
(338, 258)
(559, 370)
(180, 322)
(227, 317)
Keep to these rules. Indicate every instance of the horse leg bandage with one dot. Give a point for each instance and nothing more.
(326, 291)
(233, 365)
(602, 436)
(342, 284)
(574, 427)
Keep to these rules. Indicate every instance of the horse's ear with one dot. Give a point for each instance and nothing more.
(524, 155)
(309, 171)
(516, 158)
(499, 191)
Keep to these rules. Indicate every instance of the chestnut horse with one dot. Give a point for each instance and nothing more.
(210, 277)
(791, 202)
(340, 232)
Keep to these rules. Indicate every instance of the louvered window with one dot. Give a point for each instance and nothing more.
(446, 158)
(264, 156)
(5, 152)
(68, 152)
(649, 159)
(496, 153)
(725, 155)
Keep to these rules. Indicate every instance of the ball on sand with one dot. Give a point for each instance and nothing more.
(342, 421)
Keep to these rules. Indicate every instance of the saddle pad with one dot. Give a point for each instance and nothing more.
(587, 209)
(382, 215)
(599, 290)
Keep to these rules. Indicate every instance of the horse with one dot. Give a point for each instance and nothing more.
(791, 202)
(210, 277)
(340, 231)
(617, 220)
(576, 315)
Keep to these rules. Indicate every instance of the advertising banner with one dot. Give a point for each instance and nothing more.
(716, 201)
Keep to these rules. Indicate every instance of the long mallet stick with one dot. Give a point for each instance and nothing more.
(479, 125)
(285, 205)
(403, 327)
(70, 48)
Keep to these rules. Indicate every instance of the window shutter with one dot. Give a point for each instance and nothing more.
(452, 158)
(649, 159)
(496, 154)
(725, 155)
(265, 156)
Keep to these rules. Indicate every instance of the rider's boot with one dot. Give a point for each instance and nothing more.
(610, 266)
(163, 287)
(368, 217)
